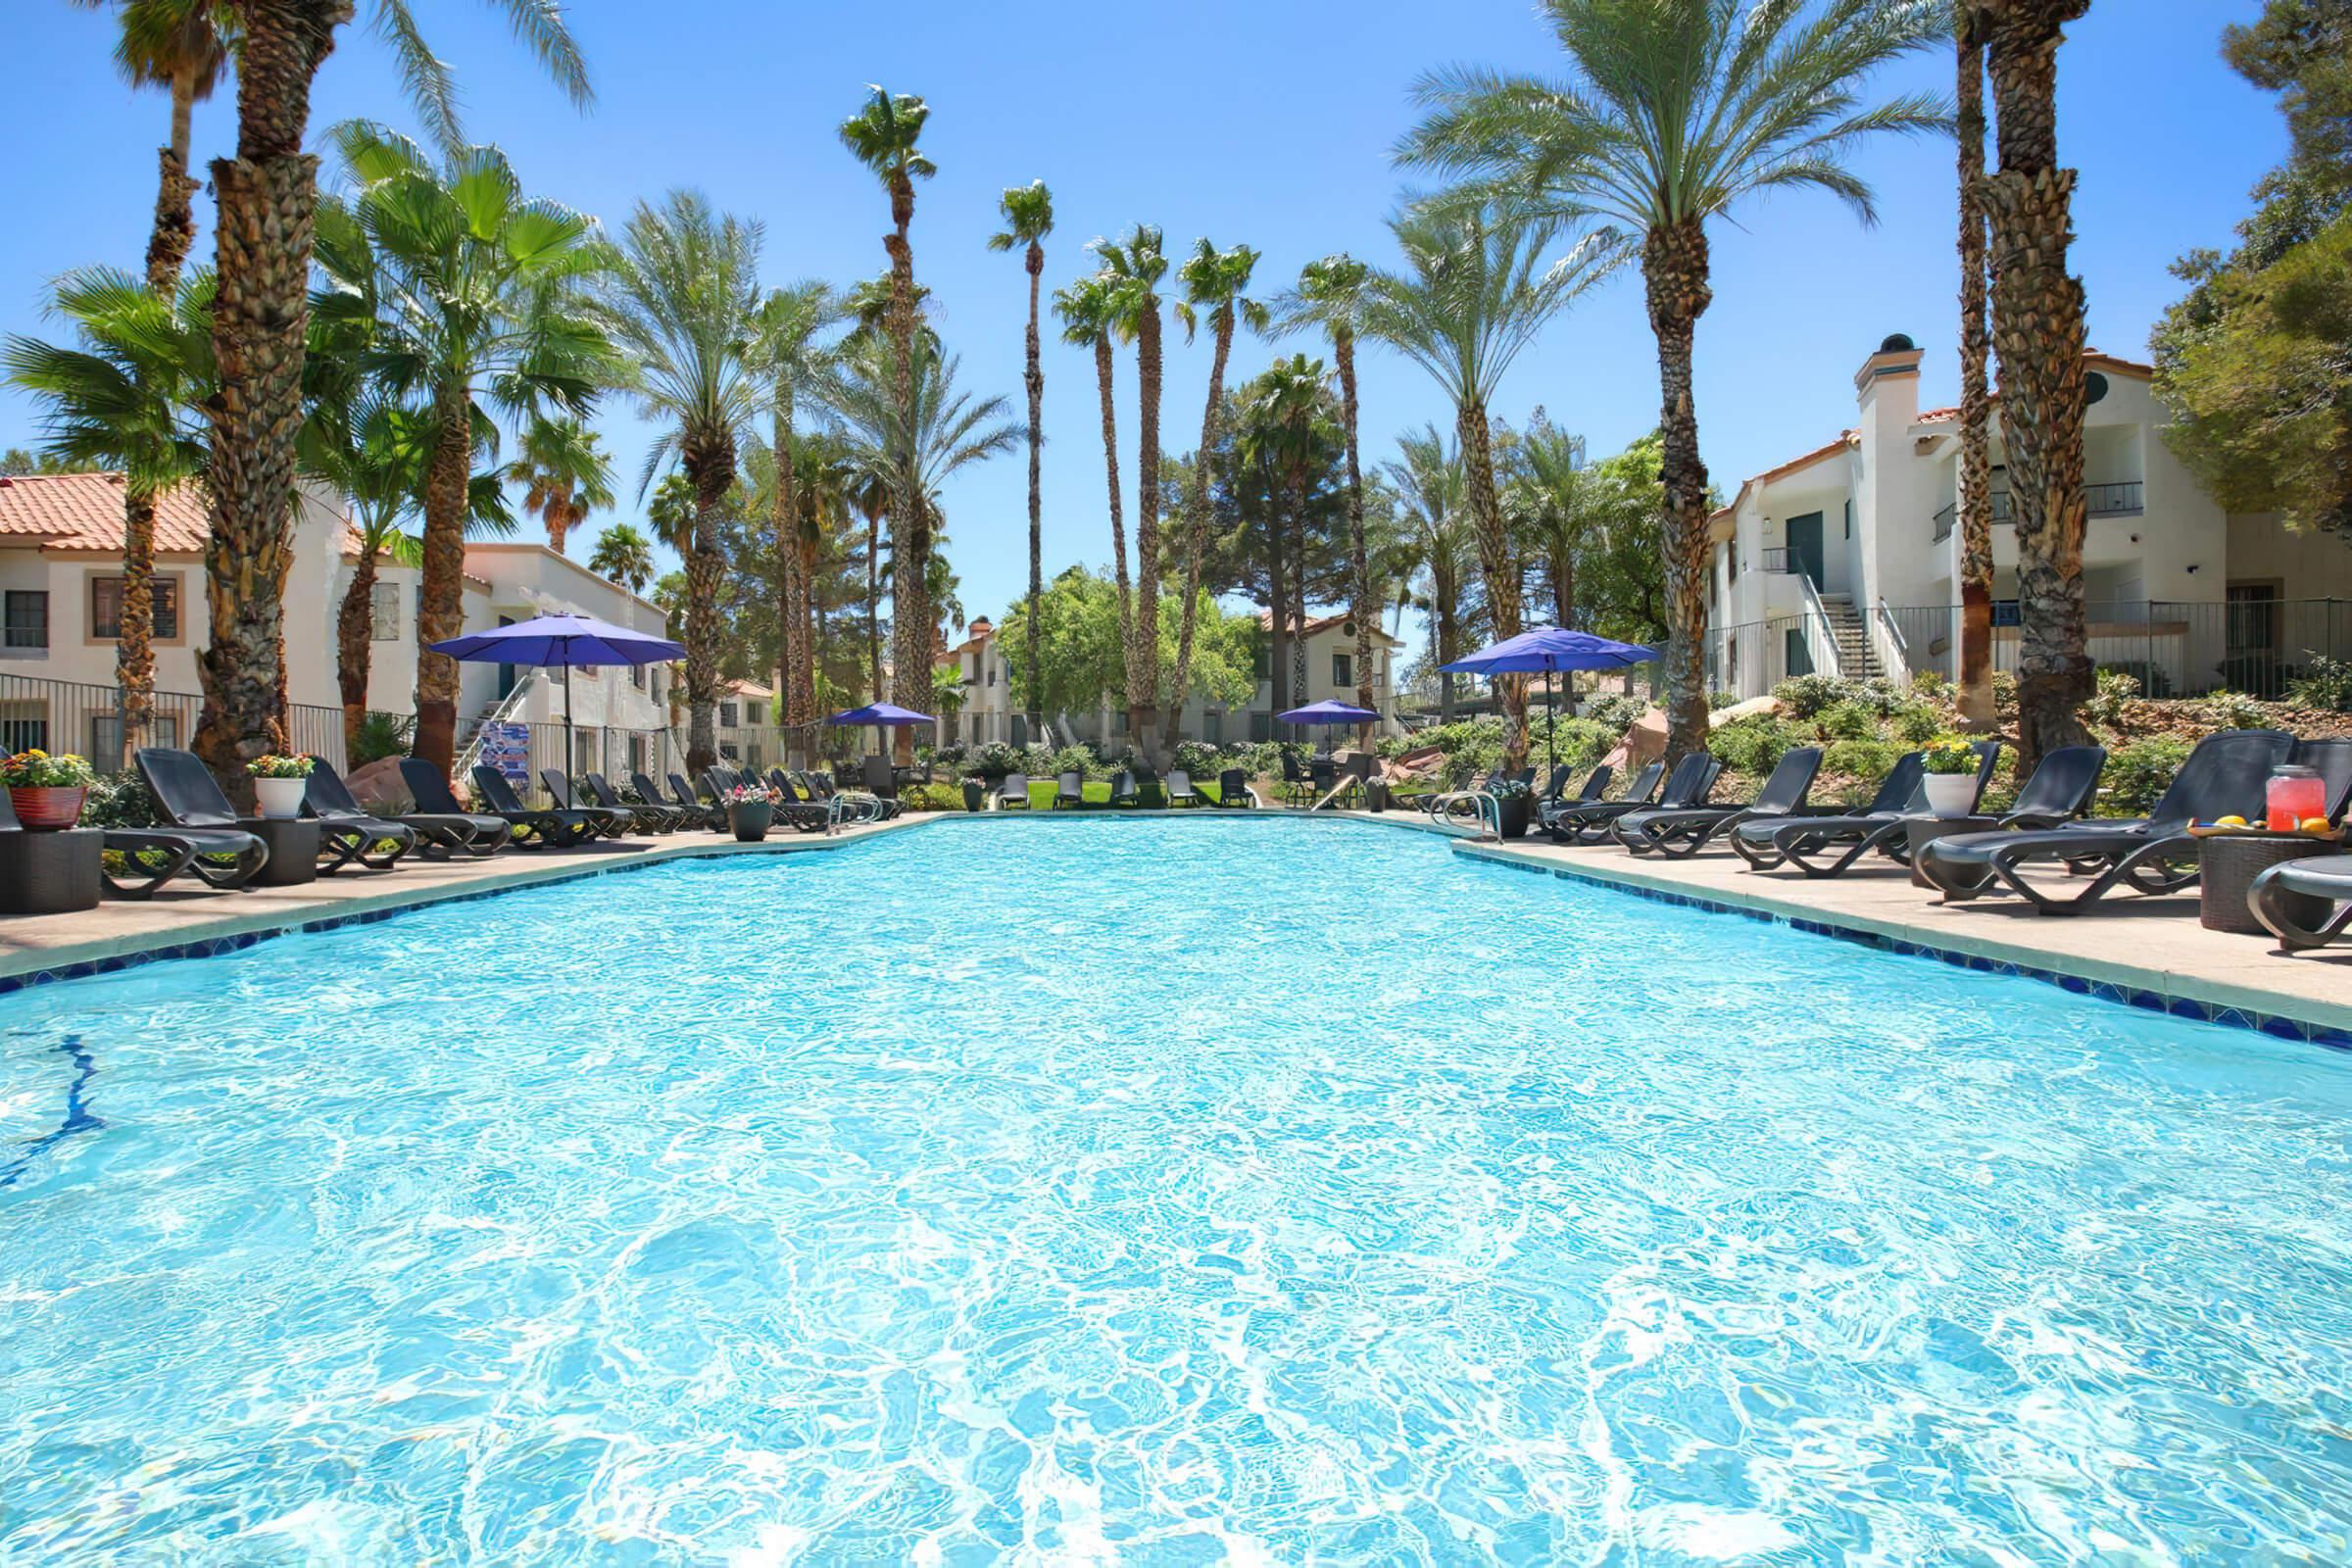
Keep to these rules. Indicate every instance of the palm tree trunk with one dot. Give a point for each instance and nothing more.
(2038, 331)
(711, 468)
(1674, 272)
(1278, 616)
(914, 638)
(1342, 343)
(1118, 522)
(1449, 643)
(1975, 500)
(1142, 663)
(1033, 378)
(874, 604)
(443, 613)
(135, 631)
(175, 229)
(266, 196)
(792, 618)
(355, 627)
(1197, 529)
(1497, 566)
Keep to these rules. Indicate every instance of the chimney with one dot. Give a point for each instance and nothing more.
(1886, 496)
(980, 627)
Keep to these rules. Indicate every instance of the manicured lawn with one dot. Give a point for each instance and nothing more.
(1098, 794)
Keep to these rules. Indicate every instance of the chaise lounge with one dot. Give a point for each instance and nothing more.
(348, 831)
(1692, 778)
(532, 828)
(201, 826)
(1679, 832)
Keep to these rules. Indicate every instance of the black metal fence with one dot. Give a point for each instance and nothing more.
(62, 716)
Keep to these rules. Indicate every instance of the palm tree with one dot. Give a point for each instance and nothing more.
(267, 193)
(564, 474)
(1087, 310)
(948, 694)
(821, 494)
(1565, 505)
(1330, 296)
(789, 357)
(2038, 334)
(1280, 424)
(1439, 548)
(128, 394)
(1214, 282)
(1681, 108)
(182, 46)
(681, 302)
(883, 136)
(1473, 292)
(624, 556)
(1975, 502)
(1135, 265)
(1028, 218)
(476, 290)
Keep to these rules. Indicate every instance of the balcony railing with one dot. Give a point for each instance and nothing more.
(2098, 501)
(1778, 561)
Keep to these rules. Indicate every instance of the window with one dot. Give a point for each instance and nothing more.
(992, 675)
(2253, 617)
(28, 620)
(106, 735)
(1342, 670)
(106, 609)
(728, 717)
(24, 727)
(383, 605)
(637, 676)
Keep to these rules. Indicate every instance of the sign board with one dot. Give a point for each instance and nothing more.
(507, 747)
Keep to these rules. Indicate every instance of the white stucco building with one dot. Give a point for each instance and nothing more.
(1846, 559)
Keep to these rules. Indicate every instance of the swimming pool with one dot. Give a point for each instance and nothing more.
(1159, 1192)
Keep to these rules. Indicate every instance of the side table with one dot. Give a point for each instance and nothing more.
(1922, 830)
(293, 842)
(2228, 865)
(50, 873)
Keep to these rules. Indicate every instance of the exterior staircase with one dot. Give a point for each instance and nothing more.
(1857, 660)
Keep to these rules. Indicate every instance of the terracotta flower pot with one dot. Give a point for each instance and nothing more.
(47, 807)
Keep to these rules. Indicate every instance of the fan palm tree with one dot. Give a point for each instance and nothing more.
(1473, 292)
(182, 46)
(1973, 692)
(1216, 282)
(788, 356)
(1135, 265)
(884, 136)
(1028, 218)
(681, 301)
(476, 289)
(821, 493)
(624, 556)
(267, 193)
(1331, 297)
(1677, 110)
(1279, 425)
(128, 394)
(564, 474)
(1439, 548)
(1087, 310)
(2037, 330)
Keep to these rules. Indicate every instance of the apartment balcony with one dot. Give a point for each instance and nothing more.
(2118, 500)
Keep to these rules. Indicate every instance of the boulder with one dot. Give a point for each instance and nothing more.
(379, 787)
(1645, 740)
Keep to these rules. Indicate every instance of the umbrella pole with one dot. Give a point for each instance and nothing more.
(568, 741)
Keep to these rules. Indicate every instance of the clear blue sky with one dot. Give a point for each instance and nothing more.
(1265, 123)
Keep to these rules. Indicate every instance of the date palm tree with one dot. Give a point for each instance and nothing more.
(1437, 549)
(885, 135)
(1472, 293)
(478, 303)
(1973, 692)
(623, 554)
(1331, 297)
(1278, 428)
(1135, 267)
(789, 357)
(1028, 218)
(681, 302)
(1214, 282)
(2037, 330)
(126, 394)
(268, 194)
(1087, 310)
(564, 474)
(1677, 110)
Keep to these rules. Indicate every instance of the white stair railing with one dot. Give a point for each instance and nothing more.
(1886, 640)
(502, 713)
(1821, 640)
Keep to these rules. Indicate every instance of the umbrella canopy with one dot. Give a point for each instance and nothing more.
(560, 640)
(1330, 711)
(881, 713)
(1546, 649)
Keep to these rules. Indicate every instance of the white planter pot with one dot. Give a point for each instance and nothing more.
(280, 796)
(1950, 794)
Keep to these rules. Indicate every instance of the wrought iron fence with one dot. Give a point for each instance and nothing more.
(63, 715)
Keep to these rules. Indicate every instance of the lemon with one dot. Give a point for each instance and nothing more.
(2232, 821)
(2315, 824)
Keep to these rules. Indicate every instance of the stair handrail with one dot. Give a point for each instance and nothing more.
(498, 714)
(1820, 641)
(1892, 646)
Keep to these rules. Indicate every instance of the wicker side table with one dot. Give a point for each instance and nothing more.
(49, 873)
(1922, 830)
(2228, 863)
(293, 850)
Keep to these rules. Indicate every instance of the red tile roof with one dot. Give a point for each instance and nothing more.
(84, 512)
(1316, 623)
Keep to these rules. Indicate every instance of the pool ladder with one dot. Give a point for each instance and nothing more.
(1483, 802)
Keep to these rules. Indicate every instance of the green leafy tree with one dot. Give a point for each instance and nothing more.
(1085, 665)
(1441, 550)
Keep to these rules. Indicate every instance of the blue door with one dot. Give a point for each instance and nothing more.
(1805, 548)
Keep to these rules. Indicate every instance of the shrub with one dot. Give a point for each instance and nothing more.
(1849, 720)
(1866, 759)
(1916, 723)
(2004, 690)
(1751, 745)
(991, 761)
(1079, 760)
(2230, 710)
(383, 735)
(1615, 710)
(2151, 680)
(932, 796)
(2323, 682)
(2105, 707)
(118, 800)
(2138, 773)
(1931, 685)
(1804, 696)
(1576, 742)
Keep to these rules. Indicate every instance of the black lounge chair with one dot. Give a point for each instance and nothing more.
(1594, 791)
(1070, 789)
(533, 828)
(1678, 833)
(428, 787)
(2304, 904)
(2156, 854)
(1692, 778)
(802, 812)
(1013, 793)
(1180, 789)
(1233, 790)
(348, 831)
(1880, 826)
(683, 797)
(681, 803)
(200, 833)
(647, 815)
(605, 820)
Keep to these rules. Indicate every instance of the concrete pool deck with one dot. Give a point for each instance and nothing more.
(2135, 948)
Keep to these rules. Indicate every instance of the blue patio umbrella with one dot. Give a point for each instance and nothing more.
(561, 641)
(1330, 711)
(881, 715)
(1547, 651)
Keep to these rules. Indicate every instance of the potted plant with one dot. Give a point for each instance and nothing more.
(278, 784)
(46, 792)
(1950, 785)
(751, 811)
(1515, 803)
(975, 794)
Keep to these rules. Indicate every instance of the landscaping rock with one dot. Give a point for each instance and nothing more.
(379, 788)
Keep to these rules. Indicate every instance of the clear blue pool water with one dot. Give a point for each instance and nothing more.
(1155, 1193)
